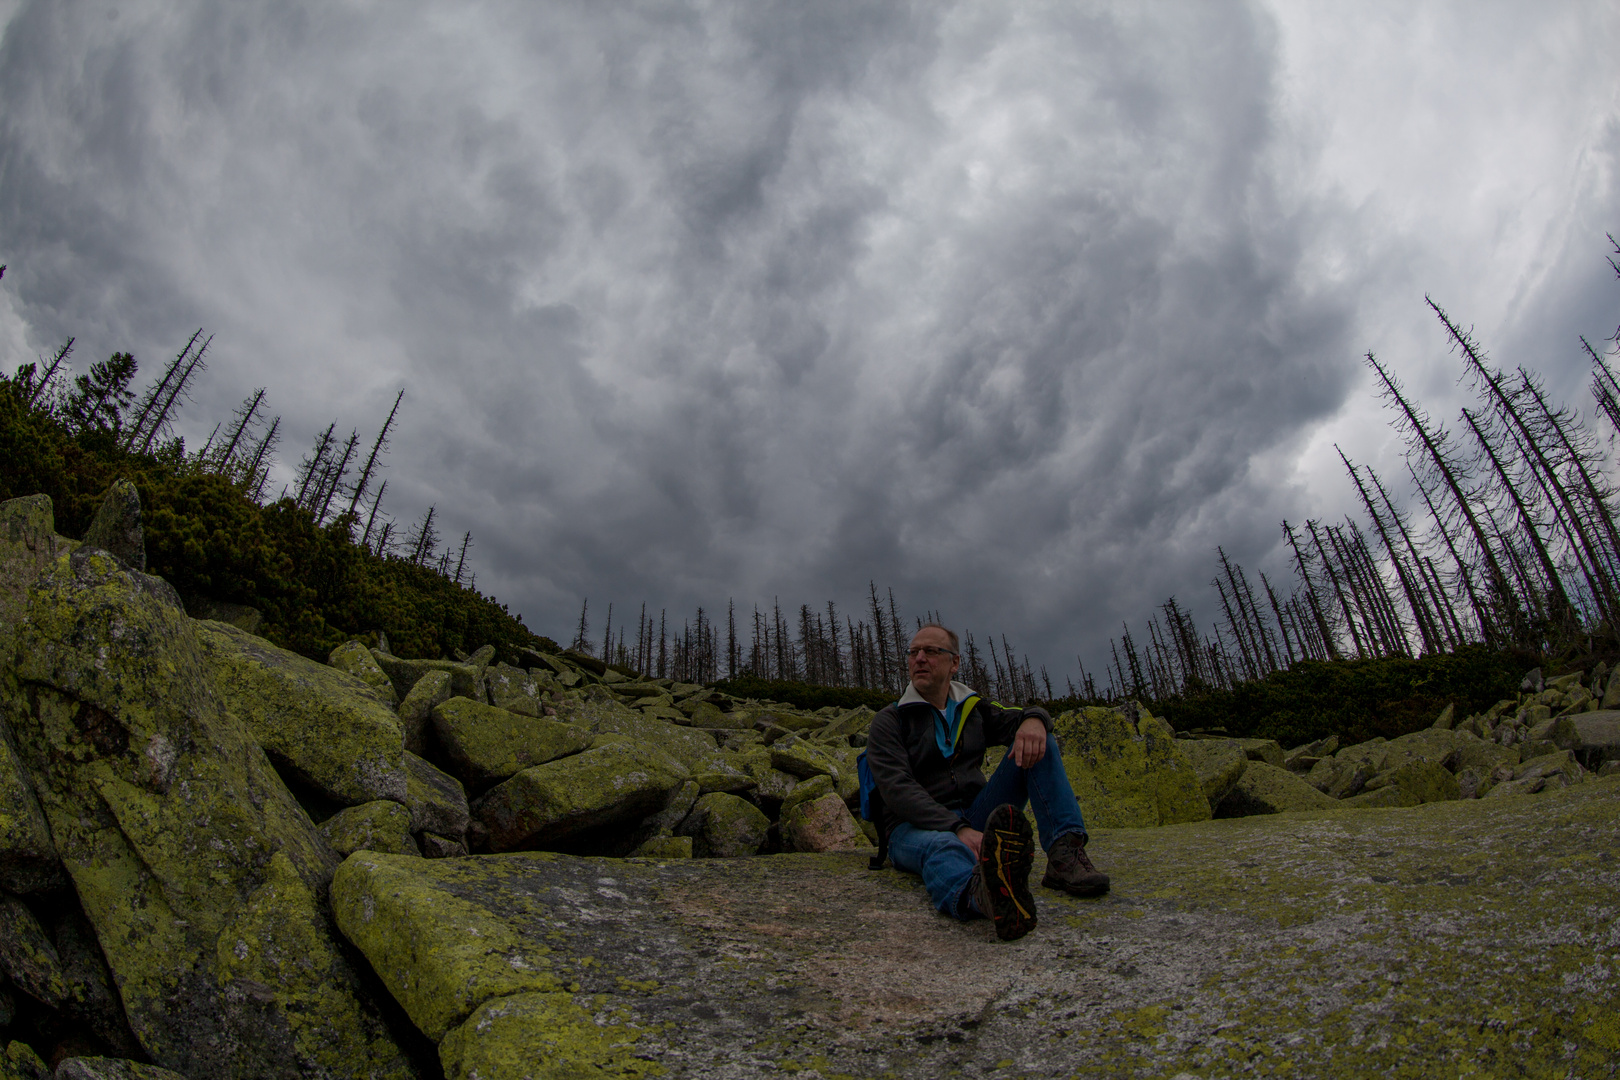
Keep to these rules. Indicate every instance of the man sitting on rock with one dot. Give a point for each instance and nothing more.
(969, 840)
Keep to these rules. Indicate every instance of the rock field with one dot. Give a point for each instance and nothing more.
(221, 859)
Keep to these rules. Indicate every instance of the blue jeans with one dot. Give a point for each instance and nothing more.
(945, 863)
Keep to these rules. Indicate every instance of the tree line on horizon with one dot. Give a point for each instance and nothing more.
(816, 649)
(1514, 545)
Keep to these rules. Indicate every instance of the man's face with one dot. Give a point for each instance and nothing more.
(931, 673)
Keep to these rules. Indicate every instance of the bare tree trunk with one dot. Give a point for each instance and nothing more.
(1448, 473)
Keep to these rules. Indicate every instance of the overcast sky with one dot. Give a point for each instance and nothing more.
(1018, 308)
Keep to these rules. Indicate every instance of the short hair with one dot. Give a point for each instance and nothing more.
(956, 642)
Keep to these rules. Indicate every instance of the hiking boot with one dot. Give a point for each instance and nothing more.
(1001, 880)
(1069, 869)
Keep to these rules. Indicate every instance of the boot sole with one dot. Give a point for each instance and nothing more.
(1006, 855)
(1074, 890)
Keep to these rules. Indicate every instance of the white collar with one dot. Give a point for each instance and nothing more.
(958, 692)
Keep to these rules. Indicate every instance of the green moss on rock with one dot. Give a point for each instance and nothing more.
(724, 827)
(373, 826)
(1267, 789)
(621, 782)
(439, 954)
(484, 744)
(405, 673)
(325, 725)
(27, 956)
(513, 689)
(664, 847)
(1218, 764)
(28, 860)
(1127, 772)
(356, 659)
(196, 867)
(436, 800)
(416, 710)
(543, 1037)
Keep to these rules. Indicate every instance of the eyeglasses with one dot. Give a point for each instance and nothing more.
(931, 651)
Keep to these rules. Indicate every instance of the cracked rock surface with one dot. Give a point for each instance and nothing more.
(1456, 938)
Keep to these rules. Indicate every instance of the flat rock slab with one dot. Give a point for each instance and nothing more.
(1460, 938)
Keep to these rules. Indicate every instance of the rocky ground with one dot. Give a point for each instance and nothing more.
(1468, 938)
(221, 859)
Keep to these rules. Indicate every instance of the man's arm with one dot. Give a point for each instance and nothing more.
(1023, 730)
(903, 796)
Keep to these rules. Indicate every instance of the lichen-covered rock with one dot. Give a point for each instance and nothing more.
(436, 800)
(608, 784)
(28, 860)
(693, 748)
(116, 528)
(1269, 789)
(1339, 779)
(355, 658)
(21, 1063)
(485, 744)
(1424, 781)
(804, 759)
(416, 709)
(753, 716)
(1127, 772)
(404, 673)
(1383, 797)
(372, 826)
(1528, 785)
(772, 785)
(702, 956)
(1473, 782)
(513, 689)
(724, 826)
(664, 847)
(543, 1037)
(1596, 736)
(107, 1068)
(857, 721)
(197, 868)
(1558, 730)
(1559, 763)
(435, 846)
(668, 817)
(440, 953)
(1269, 751)
(823, 823)
(92, 1000)
(1218, 765)
(1302, 758)
(28, 547)
(804, 790)
(27, 956)
(324, 725)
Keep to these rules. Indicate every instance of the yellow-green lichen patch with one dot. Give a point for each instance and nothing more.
(277, 942)
(325, 724)
(439, 954)
(170, 821)
(544, 1037)
(1128, 772)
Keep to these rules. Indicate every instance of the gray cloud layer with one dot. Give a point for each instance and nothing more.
(1018, 308)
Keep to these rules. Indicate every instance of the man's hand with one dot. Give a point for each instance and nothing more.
(1029, 745)
(972, 838)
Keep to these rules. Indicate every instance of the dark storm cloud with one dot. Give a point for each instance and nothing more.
(1018, 308)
